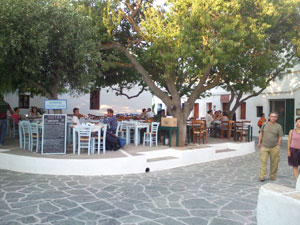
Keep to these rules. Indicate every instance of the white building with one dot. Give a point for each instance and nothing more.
(96, 103)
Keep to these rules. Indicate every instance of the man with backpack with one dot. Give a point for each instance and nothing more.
(269, 142)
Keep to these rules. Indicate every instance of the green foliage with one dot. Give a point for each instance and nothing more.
(47, 47)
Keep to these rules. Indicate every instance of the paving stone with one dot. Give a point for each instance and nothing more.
(10, 223)
(24, 204)
(204, 213)
(237, 205)
(82, 199)
(65, 202)
(169, 221)
(14, 195)
(198, 204)
(172, 212)
(219, 221)
(71, 212)
(47, 207)
(124, 205)
(194, 221)
(103, 195)
(53, 218)
(45, 195)
(69, 222)
(149, 223)
(108, 221)
(147, 214)
(89, 216)
(115, 213)
(28, 220)
(98, 206)
(26, 210)
(131, 219)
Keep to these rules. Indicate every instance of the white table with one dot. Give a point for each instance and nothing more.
(94, 128)
(137, 126)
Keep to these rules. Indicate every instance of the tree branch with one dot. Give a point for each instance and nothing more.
(40, 87)
(120, 92)
(147, 78)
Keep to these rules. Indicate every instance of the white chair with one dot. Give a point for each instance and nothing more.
(121, 131)
(152, 135)
(26, 131)
(11, 127)
(84, 138)
(35, 136)
(21, 137)
(99, 142)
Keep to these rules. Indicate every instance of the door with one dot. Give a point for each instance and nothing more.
(289, 115)
(225, 106)
(196, 110)
(243, 111)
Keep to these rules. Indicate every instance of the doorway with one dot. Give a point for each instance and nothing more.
(286, 110)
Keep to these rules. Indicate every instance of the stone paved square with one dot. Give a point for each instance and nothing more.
(222, 192)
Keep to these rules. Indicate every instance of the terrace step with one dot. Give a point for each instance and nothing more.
(161, 158)
(225, 150)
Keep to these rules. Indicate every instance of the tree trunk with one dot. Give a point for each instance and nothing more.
(176, 111)
(54, 96)
(181, 122)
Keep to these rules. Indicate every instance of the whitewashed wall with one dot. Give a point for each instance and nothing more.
(120, 104)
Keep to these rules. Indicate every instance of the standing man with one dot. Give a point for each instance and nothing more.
(4, 107)
(269, 143)
(111, 120)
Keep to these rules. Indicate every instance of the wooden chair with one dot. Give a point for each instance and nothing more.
(241, 131)
(199, 132)
(225, 128)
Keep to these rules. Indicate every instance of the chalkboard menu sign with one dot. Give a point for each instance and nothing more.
(54, 134)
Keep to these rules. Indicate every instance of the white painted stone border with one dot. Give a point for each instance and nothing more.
(278, 205)
(124, 165)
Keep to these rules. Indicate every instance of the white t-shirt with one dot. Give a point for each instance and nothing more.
(209, 120)
(149, 114)
(75, 120)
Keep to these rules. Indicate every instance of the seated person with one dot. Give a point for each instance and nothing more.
(143, 114)
(209, 119)
(76, 116)
(34, 112)
(111, 121)
(16, 115)
(149, 113)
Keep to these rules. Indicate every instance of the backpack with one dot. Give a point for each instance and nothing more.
(112, 142)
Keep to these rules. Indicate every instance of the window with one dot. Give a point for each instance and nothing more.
(208, 106)
(24, 101)
(95, 100)
(259, 111)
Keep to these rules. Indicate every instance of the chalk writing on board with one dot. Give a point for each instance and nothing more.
(54, 134)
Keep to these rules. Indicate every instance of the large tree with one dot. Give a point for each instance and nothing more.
(184, 48)
(47, 47)
(248, 74)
